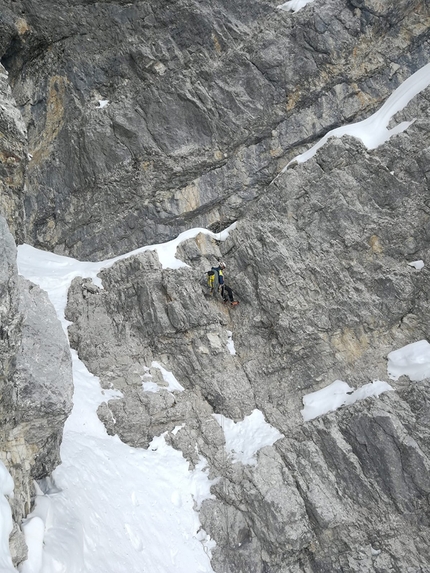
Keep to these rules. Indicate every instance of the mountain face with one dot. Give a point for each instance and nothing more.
(206, 102)
(123, 124)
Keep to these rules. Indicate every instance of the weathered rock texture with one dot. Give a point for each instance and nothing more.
(13, 158)
(208, 101)
(36, 384)
(326, 293)
(35, 365)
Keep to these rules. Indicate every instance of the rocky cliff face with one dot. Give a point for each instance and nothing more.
(35, 365)
(206, 103)
(13, 158)
(36, 384)
(326, 293)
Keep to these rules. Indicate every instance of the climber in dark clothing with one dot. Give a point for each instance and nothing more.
(227, 294)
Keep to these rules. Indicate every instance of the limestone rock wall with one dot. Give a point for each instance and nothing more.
(206, 102)
(13, 158)
(36, 385)
(35, 364)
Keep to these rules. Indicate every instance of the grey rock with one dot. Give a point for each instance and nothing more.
(43, 377)
(36, 385)
(13, 158)
(157, 315)
(207, 103)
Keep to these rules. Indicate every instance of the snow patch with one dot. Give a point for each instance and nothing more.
(230, 343)
(244, 439)
(6, 488)
(146, 384)
(176, 429)
(34, 530)
(373, 131)
(103, 103)
(338, 394)
(417, 265)
(412, 360)
(172, 383)
(294, 5)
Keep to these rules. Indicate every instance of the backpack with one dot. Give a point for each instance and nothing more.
(211, 279)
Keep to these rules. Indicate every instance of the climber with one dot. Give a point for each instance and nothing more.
(216, 283)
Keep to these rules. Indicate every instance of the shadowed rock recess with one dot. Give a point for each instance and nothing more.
(123, 124)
